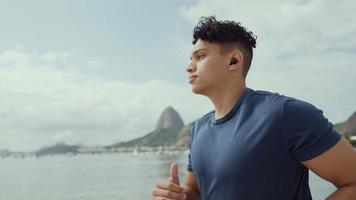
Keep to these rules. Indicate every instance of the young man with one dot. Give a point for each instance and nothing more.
(256, 144)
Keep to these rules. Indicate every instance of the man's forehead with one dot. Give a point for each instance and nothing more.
(200, 44)
(196, 50)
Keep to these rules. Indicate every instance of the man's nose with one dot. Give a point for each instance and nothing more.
(190, 68)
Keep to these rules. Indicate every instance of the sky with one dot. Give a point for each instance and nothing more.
(99, 72)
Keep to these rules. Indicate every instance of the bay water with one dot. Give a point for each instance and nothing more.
(99, 177)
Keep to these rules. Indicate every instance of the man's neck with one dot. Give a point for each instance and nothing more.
(225, 99)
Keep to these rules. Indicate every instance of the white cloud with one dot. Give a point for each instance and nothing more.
(44, 100)
(304, 48)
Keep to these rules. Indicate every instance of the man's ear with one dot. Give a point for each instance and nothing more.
(235, 60)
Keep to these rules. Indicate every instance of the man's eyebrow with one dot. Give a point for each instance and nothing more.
(197, 51)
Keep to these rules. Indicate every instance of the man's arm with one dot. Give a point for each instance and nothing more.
(191, 187)
(338, 166)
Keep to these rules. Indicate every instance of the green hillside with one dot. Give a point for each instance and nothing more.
(161, 137)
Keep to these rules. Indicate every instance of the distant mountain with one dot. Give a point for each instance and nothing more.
(166, 132)
(59, 148)
(161, 137)
(182, 140)
(4, 153)
(339, 126)
(348, 128)
(169, 119)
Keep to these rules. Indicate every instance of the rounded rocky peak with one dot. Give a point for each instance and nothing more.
(169, 118)
(350, 126)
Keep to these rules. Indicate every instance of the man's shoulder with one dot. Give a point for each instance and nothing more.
(276, 97)
(296, 107)
(269, 95)
(280, 104)
(264, 101)
(292, 108)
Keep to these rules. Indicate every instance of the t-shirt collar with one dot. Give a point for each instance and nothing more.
(233, 110)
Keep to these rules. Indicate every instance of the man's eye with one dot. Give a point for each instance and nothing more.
(200, 57)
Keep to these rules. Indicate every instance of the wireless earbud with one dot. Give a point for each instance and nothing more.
(233, 61)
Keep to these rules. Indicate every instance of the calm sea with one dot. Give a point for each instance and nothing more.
(97, 177)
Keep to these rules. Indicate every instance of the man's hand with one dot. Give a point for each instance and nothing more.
(169, 189)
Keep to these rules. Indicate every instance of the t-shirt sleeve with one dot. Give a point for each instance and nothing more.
(189, 167)
(306, 131)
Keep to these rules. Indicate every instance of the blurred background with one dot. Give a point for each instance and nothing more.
(94, 97)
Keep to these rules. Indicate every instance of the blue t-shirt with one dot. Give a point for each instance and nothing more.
(254, 151)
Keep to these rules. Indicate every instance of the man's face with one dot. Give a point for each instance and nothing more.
(207, 68)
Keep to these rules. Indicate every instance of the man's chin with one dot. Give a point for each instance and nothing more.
(197, 90)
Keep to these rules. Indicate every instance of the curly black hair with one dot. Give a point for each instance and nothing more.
(226, 32)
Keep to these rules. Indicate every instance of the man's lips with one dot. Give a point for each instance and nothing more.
(192, 77)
